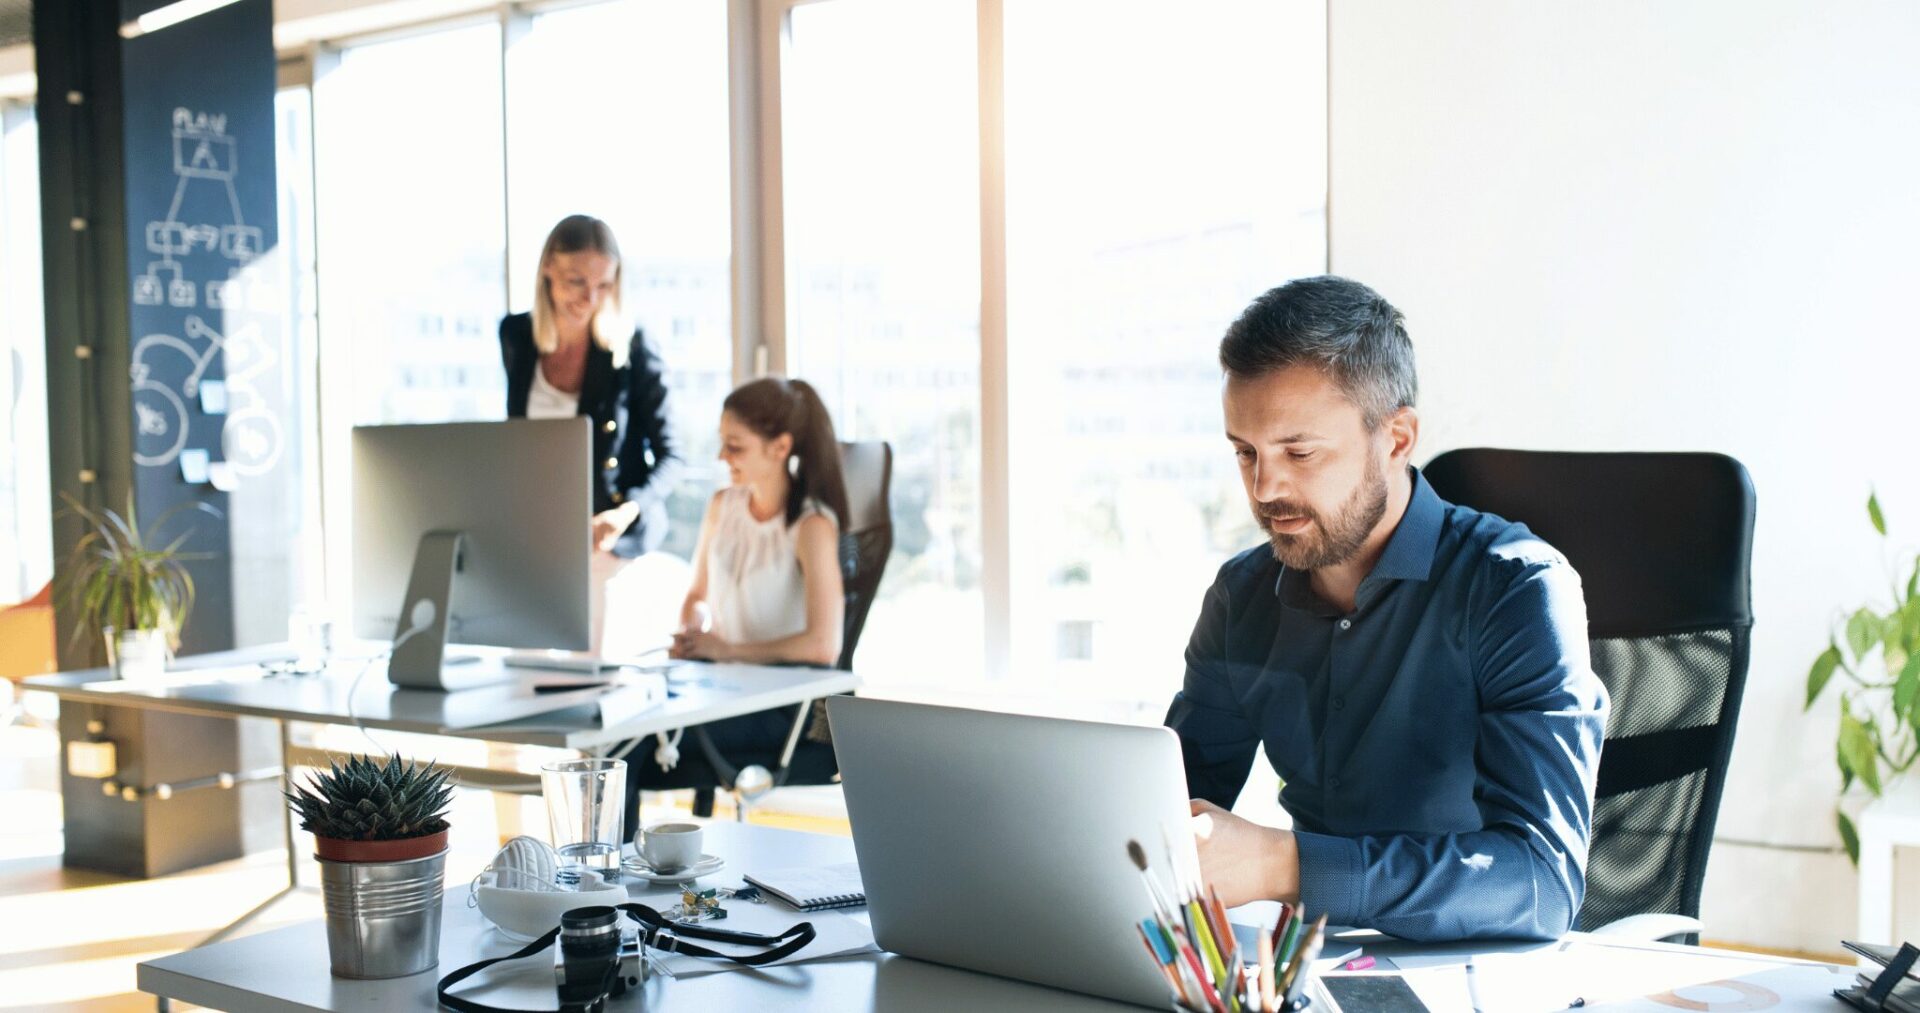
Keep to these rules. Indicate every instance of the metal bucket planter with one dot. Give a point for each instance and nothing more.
(383, 911)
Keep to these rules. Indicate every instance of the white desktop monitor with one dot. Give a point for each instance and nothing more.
(518, 496)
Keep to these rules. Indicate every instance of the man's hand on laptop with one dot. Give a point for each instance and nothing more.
(1243, 860)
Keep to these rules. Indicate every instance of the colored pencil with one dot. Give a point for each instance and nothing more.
(1166, 969)
(1265, 954)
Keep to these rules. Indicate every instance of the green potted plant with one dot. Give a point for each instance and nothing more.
(133, 595)
(1878, 651)
(380, 831)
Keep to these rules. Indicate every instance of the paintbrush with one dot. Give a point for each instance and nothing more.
(1161, 908)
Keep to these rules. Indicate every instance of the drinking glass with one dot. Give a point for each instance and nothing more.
(586, 800)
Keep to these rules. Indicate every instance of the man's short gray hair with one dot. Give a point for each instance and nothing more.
(1338, 326)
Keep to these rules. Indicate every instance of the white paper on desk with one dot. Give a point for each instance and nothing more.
(630, 696)
(836, 933)
(1550, 976)
(1788, 986)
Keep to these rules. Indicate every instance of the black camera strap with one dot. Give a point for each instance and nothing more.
(655, 931)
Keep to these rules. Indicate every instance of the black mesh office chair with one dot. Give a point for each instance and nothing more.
(1663, 544)
(865, 543)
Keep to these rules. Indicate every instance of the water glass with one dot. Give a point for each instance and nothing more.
(586, 800)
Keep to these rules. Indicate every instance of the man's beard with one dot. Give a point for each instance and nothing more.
(1328, 542)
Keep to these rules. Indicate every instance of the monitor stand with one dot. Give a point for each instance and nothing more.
(419, 659)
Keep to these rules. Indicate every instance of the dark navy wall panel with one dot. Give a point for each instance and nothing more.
(206, 317)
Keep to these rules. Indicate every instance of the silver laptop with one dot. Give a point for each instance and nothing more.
(998, 842)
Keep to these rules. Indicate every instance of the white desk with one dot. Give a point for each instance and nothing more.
(286, 970)
(223, 685)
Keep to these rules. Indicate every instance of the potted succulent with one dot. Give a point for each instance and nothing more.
(380, 831)
(133, 595)
(1878, 651)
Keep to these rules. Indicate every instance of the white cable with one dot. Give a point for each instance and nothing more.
(422, 615)
(667, 753)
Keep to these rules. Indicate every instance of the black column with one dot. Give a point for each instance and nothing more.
(159, 201)
(83, 225)
(158, 197)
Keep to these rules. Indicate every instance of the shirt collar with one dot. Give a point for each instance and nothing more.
(1408, 555)
(1409, 552)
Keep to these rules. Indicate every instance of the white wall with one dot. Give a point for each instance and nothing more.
(1659, 225)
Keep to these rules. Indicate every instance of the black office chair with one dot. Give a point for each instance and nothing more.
(1663, 544)
(866, 541)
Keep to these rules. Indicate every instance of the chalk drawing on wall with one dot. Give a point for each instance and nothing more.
(250, 436)
(202, 151)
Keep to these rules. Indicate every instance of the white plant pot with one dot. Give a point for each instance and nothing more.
(137, 654)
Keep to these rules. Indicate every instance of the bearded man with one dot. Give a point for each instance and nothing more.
(1417, 671)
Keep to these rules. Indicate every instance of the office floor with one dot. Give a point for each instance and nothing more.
(70, 940)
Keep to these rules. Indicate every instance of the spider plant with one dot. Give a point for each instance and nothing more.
(115, 579)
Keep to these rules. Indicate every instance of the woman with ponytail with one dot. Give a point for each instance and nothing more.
(766, 573)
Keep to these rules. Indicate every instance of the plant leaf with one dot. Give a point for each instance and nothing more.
(1823, 667)
(1856, 747)
(1905, 689)
(1873, 513)
(1848, 837)
(1863, 631)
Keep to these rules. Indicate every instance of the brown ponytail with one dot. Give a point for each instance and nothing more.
(771, 406)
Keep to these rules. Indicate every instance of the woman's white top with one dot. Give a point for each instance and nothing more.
(754, 582)
(545, 401)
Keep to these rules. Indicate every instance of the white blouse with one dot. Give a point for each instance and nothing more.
(545, 401)
(754, 583)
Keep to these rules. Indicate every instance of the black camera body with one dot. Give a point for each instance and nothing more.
(590, 966)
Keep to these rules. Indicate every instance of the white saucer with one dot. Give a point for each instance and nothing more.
(706, 866)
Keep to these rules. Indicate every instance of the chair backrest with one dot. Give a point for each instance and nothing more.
(1663, 544)
(867, 538)
(26, 637)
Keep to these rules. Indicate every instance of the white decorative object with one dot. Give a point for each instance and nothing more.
(525, 863)
(1886, 823)
(525, 915)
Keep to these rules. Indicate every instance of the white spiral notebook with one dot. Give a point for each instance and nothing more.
(814, 888)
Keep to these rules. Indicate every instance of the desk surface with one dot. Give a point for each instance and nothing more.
(231, 683)
(286, 969)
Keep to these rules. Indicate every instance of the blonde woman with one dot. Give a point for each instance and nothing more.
(576, 354)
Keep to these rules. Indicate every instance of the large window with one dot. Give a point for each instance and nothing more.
(619, 110)
(411, 227)
(274, 512)
(26, 528)
(1175, 174)
(1177, 171)
(881, 177)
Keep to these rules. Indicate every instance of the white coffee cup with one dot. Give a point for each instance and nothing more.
(669, 847)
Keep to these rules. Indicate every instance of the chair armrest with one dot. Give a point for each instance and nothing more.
(1650, 928)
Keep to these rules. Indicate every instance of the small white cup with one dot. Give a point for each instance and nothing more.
(669, 847)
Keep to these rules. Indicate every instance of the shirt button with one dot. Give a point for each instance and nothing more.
(612, 463)
(1346, 624)
(610, 426)
(1333, 782)
(1339, 703)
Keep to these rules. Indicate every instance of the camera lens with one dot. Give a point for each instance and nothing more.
(586, 923)
(589, 956)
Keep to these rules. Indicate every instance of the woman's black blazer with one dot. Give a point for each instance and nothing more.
(632, 445)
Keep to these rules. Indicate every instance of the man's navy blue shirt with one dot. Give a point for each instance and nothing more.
(1437, 745)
